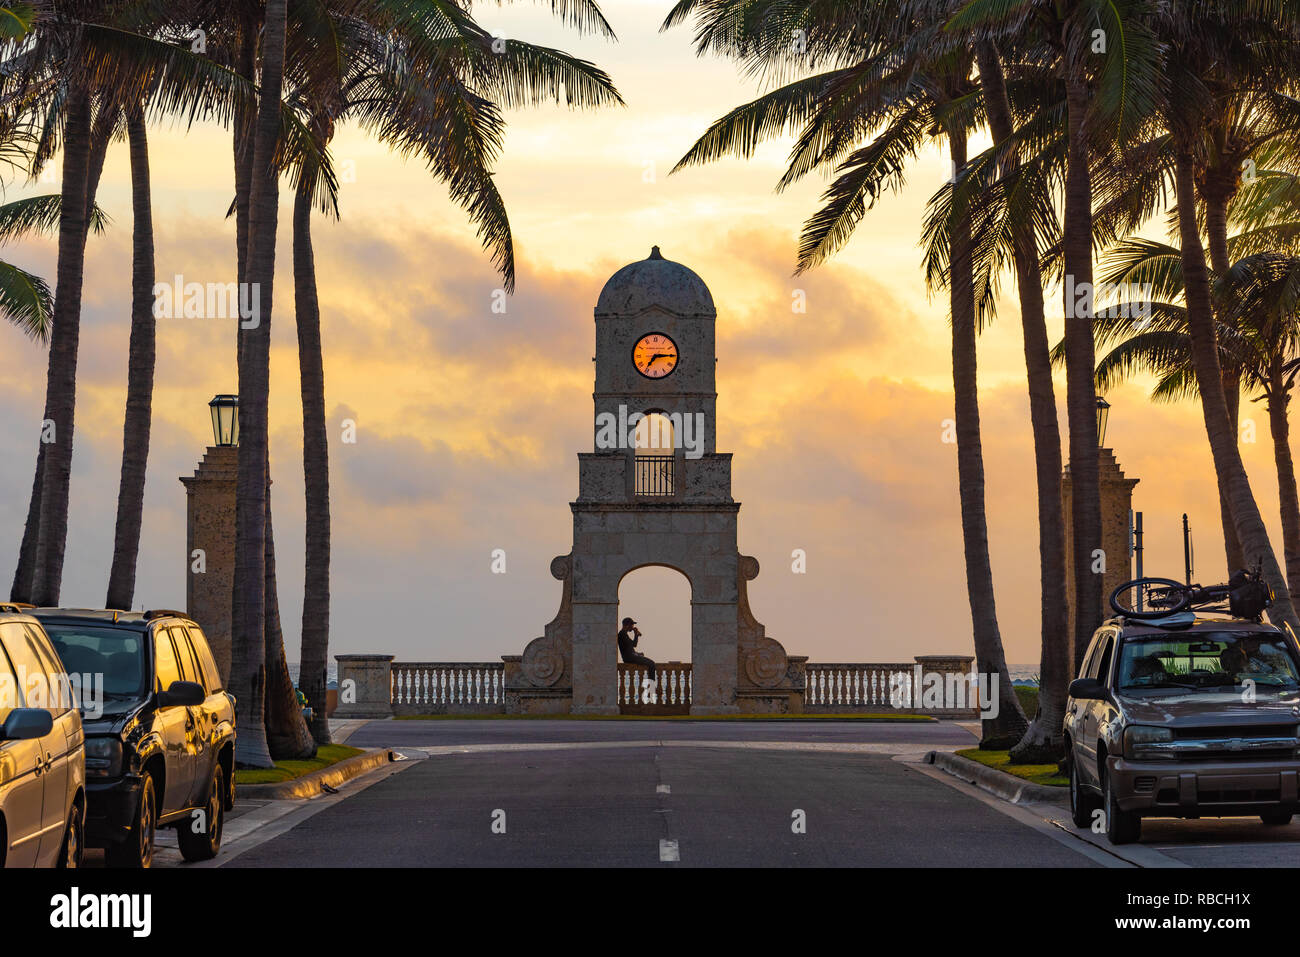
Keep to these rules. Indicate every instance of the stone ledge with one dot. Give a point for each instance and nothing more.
(1008, 787)
(309, 785)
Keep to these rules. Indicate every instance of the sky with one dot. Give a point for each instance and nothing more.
(467, 422)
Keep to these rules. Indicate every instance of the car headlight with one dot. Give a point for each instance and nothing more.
(1141, 741)
(103, 757)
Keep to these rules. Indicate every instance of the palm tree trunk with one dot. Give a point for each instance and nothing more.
(1042, 741)
(1279, 400)
(140, 372)
(1080, 361)
(314, 657)
(287, 735)
(248, 671)
(1209, 379)
(25, 573)
(61, 377)
(1007, 726)
(1216, 223)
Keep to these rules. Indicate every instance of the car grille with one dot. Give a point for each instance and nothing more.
(1261, 742)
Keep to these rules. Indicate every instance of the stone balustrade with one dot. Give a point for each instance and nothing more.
(374, 686)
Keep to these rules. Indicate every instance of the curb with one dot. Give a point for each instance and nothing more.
(1008, 787)
(310, 785)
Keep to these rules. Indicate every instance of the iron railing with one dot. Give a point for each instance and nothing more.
(654, 475)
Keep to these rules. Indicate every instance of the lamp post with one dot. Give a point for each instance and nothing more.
(210, 531)
(225, 419)
(1115, 493)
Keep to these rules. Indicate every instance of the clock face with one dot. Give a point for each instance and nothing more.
(654, 355)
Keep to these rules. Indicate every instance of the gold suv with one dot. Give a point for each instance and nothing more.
(42, 750)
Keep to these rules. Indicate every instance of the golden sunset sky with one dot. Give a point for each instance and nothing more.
(468, 422)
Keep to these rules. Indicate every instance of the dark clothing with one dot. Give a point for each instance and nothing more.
(627, 648)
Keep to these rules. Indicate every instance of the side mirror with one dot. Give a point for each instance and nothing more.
(181, 694)
(26, 723)
(1089, 688)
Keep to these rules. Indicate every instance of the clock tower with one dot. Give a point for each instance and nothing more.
(654, 490)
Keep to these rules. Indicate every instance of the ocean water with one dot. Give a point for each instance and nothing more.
(1023, 674)
(331, 674)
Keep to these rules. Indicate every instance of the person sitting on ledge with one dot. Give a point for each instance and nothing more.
(627, 639)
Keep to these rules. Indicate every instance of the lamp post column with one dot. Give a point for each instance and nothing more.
(210, 533)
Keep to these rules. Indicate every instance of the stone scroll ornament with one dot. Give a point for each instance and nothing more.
(765, 663)
(544, 659)
(543, 663)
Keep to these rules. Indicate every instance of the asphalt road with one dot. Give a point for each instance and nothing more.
(609, 808)
(629, 794)
(685, 794)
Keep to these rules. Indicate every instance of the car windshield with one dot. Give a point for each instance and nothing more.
(116, 654)
(1208, 661)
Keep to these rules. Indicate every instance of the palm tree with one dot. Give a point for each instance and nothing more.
(1257, 339)
(895, 70)
(1106, 58)
(72, 74)
(248, 670)
(437, 92)
(140, 372)
(1197, 42)
(1022, 231)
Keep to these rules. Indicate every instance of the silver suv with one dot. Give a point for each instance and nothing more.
(42, 750)
(1193, 716)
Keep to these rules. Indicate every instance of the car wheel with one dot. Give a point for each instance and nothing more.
(137, 850)
(1276, 818)
(74, 843)
(1082, 801)
(204, 843)
(1122, 827)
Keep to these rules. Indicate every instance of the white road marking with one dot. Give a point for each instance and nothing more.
(668, 851)
(663, 789)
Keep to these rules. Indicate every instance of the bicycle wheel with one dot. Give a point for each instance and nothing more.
(1156, 597)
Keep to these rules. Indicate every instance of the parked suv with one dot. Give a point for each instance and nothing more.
(162, 753)
(1191, 716)
(42, 754)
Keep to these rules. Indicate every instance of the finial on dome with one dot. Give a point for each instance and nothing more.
(654, 253)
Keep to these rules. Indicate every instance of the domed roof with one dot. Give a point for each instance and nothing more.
(655, 282)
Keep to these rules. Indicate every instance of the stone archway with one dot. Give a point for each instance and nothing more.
(654, 356)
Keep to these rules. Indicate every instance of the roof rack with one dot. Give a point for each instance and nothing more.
(15, 606)
(165, 613)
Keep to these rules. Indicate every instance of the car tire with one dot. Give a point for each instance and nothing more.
(203, 845)
(1082, 801)
(74, 840)
(1276, 818)
(1122, 827)
(137, 850)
